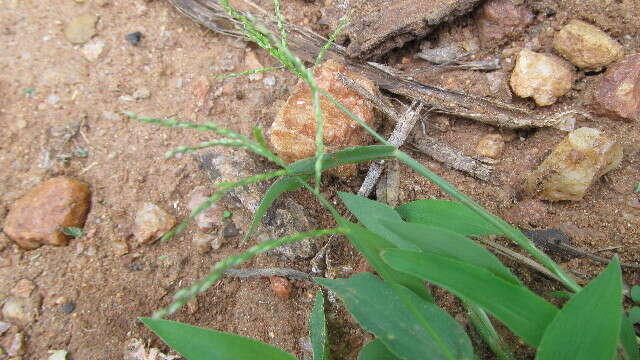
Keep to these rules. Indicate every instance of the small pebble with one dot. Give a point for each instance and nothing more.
(491, 146)
(4, 326)
(230, 229)
(53, 99)
(81, 28)
(586, 46)
(141, 94)
(209, 219)
(69, 307)
(281, 287)
(92, 50)
(21, 124)
(544, 77)
(134, 38)
(151, 222)
(202, 242)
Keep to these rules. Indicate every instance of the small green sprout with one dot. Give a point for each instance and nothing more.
(637, 189)
(81, 153)
(72, 231)
(28, 91)
(226, 214)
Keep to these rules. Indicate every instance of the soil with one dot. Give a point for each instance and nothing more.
(54, 102)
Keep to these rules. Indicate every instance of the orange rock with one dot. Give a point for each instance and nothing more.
(491, 146)
(294, 129)
(281, 287)
(37, 217)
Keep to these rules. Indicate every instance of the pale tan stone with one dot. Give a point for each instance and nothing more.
(580, 159)
(544, 77)
(586, 46)
(491, 146)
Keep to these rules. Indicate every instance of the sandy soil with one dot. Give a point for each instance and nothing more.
(77, 104)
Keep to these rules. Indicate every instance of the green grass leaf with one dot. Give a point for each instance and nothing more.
(635, 294)
(445, 242)
(588, 326)
(72, 231)
(369, 212)
(197, 343)
(370, 245)
(634, 315)
(318, 329)
(409, 326)
(350, 155)
(447, 214)
(525, 313)
(375, 350)
(280, 186)
(630, 347)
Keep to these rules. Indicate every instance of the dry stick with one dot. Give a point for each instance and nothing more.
(452, 158)
(404, 126)
(427, 145)
(306, 44)
(267, 272)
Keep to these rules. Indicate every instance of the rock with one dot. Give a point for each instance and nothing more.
(586, 46)
(21, 311)
(544, 77)
(568, 172)
(14, 345)
(68, 307)
(57, 355)
(491, 146)
(23, 288)
(288, 218)
(134, 38)
(141, 94)
(618, 95)
(209, 219)
(4, 326)
(293, 131)
(92, 50)
(281, 287)
(497, 19)
(36, 218)
(192, 306)
(119, 247)
(81, 28)
(151, 223)
(203, 242)
(230, 230)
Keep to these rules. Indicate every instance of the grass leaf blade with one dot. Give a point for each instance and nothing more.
(375, 350)
(318, 329)
(447, 214)
(588, 326)
(196, 343)
(370, 245)
(409, 326)
(525, 313)
(440, 241)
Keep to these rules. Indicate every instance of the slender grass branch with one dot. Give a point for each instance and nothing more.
(183, 296)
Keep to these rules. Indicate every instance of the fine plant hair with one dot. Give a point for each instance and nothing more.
(307, 173)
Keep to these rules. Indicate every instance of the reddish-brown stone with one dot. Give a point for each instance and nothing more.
(37, 217)
(497, 19)
(281, 287)
(618, 95)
